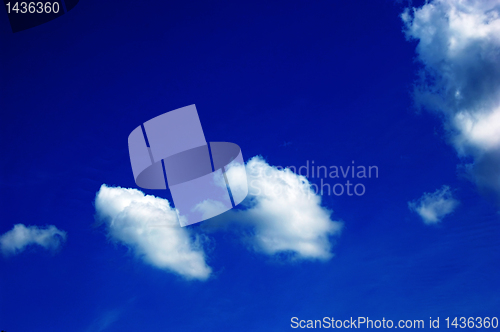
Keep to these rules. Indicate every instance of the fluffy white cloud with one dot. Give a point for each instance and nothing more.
(19, 237)
(433, 207)
(149, 226)
(459, 47)
(285, 214)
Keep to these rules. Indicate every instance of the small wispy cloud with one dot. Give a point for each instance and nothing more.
(433, 207)
(20, 237)
(148, 225)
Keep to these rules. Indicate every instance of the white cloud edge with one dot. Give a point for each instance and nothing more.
(459, 48)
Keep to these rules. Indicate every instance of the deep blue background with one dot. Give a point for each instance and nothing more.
(331, 78)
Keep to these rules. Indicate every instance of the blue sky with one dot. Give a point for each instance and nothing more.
(292, 82)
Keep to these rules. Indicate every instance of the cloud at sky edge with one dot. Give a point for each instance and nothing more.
(459, 50)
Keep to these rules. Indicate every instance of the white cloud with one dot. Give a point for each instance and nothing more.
(149, 226)
(19, 237)
(285, 214)
(459, 47)
(433, 207)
